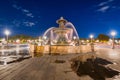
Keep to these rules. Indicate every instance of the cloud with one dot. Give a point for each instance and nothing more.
(116, 7)
(25, 11)
(105, 3)
(29, 15)
(16, 6)
(29, 24)
(105, 6)
(19, 23)
(103, 9)
(24, 22)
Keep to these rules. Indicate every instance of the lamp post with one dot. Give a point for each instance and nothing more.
(92, 45)
(113, 33)
(91, 37)
(7, 33)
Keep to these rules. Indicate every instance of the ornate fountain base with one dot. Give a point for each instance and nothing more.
(60, 49)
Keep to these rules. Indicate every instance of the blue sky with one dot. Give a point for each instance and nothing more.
(33, 17)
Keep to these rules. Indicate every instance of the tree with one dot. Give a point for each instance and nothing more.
(103, 37)
(21, 37)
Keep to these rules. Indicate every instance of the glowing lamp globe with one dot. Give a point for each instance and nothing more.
(113, 33)
(7, 32)
(91, 36)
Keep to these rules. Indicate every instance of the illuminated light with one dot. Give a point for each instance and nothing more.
(82, 41)
(17, 40)
(87, 40)
(116, 41)
(110, 40)
(3, 39)
(74, 37)
(113, 33)
(45, 37)
(7, 32)
(91, 36)
(97, 40)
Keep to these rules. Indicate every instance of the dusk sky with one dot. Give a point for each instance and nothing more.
(33, 17)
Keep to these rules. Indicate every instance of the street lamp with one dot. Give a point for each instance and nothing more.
(7, 33)
(113, 33)
(76, 41)
(91, 37)
(92, 45)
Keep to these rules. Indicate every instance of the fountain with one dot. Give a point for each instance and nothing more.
(63, 39)
(65, 34)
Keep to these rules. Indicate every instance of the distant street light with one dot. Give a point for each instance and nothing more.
(74, 37)
(97, 41)
(91, 37)
(18, 41)
(113, 33)
(87, 41)
(92, 45)
(7, 33)
(45, 37)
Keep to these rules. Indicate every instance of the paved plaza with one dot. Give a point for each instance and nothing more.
(55, 67)
(59, 40)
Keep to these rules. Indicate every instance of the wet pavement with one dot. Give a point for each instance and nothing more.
(112, 55)
(94, 68)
